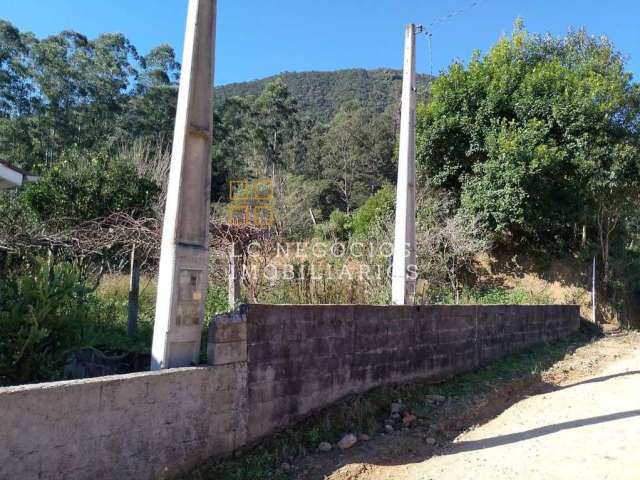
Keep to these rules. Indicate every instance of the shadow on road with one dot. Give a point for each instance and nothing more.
(498, 441)
(599, 379)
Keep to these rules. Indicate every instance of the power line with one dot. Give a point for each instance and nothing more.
(429, 29)
(456, 13)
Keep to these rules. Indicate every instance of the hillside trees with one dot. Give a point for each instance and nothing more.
(273, 122)
(321, 95)
(348, 159)
(70, 96)
(358, 153)
(67, 92)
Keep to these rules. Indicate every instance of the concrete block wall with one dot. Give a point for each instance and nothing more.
(302, 358)
(141, 426)
(269, 366)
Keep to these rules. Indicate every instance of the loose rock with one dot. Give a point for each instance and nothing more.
(285, 467)
(397, 407)
(363, 437)
(388, 428)
(436, 398)
(430, 441)
(348, 441)
(325, 447)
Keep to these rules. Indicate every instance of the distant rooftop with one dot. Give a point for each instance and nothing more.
(13, 177)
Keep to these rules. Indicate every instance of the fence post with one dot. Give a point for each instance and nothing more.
(134, 295)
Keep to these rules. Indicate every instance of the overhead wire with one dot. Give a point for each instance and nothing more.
(430, 27)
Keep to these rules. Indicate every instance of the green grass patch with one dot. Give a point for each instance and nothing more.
(110, 330)
(500, 296)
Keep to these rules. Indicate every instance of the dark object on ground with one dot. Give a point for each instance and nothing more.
(591, 328)
(90, 362)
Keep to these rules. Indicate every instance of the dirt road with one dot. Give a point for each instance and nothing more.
(586, 430)
(585, 426)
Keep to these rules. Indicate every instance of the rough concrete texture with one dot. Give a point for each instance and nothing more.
(182, 276)
(302, 358)
(271, 365)
(138, 426)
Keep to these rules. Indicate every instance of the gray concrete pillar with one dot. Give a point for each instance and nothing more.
(404, 251)
(182, 280)
(235, 275)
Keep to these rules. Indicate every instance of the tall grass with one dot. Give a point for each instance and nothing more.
(113, 292)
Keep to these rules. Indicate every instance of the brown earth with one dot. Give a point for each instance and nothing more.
(578, 419)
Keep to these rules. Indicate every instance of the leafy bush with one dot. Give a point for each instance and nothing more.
(217, 301)
(376, 213)
(13, 213)
(83, 189)
(339, 227)
(47, 314)
(41, 318)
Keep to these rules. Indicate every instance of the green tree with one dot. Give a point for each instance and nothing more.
(159, 68)
(358, 154)
(231, 133)
(16, 94)
(150, 111)
(536, 136)
(273, 123)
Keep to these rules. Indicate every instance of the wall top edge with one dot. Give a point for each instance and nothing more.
(99, 381)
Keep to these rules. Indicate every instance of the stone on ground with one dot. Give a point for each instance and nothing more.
(325, 447)
(348, 441)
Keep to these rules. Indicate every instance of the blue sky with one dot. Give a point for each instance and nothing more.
(257, 38)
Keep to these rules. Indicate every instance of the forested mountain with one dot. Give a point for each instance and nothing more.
(70, 103)
(320, 95)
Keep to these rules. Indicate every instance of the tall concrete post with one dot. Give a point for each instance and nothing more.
(404, 249)
(182, 280)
